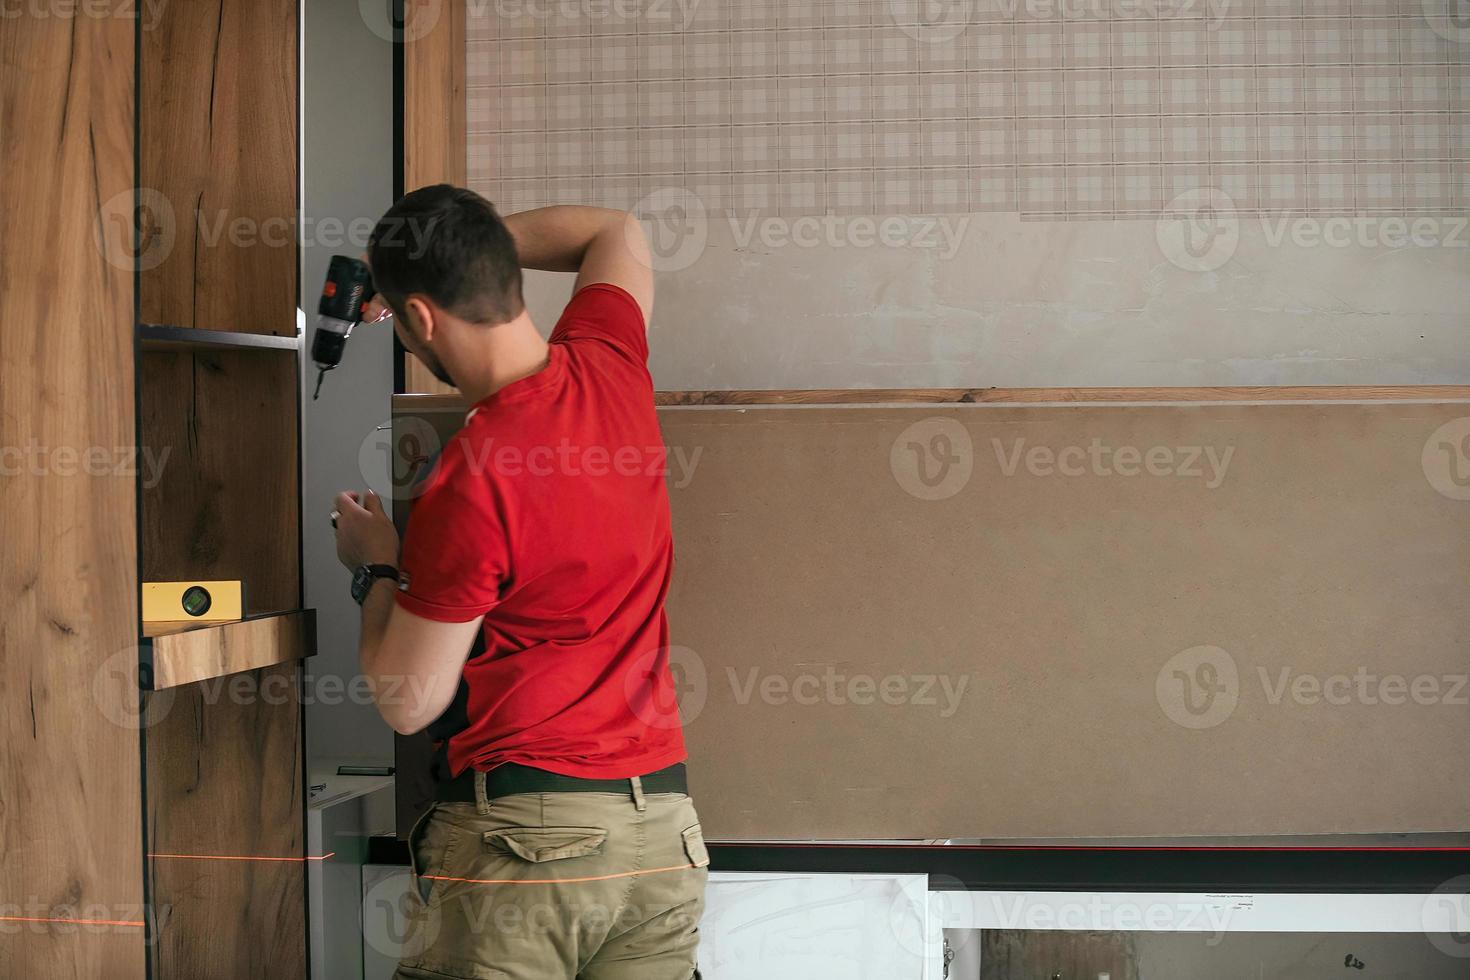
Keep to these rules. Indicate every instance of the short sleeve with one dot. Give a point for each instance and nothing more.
(602, 311)
(455, 558)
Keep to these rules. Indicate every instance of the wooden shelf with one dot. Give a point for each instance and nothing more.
(178, 653)
(153, 337)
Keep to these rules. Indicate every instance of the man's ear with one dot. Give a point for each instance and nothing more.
(422, 321)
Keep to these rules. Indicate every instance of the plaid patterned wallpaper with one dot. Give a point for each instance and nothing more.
(1049, 108)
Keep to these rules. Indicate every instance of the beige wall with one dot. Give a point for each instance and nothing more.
(1135, 191)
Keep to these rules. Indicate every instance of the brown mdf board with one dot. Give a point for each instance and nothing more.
(219, 471)
(921, 621)
(226, 848)
(71, 883)
(434, 119)
(1068, 607)
(217, 133)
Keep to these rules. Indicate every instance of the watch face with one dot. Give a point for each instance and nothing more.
(361, 580)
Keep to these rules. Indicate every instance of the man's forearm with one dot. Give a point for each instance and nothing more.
(556, 239)
(376, 609)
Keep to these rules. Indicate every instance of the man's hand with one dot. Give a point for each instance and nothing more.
(365, 532)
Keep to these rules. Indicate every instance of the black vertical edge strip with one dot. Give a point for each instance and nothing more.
(145, 648)
(308, 622)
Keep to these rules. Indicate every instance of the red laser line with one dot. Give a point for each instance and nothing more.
(73, 922)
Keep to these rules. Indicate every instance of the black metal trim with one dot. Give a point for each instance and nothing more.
(1095, 869)
(145, 650)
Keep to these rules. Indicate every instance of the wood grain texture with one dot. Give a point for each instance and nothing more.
(434, 125)
(70, 814)
(183, 653)
(226, 844)
(221, 427)
(218, 165)
(452, 401)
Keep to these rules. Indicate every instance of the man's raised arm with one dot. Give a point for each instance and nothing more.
(599, 244)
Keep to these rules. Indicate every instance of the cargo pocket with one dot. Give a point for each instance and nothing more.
(542, 844)
(694, 847)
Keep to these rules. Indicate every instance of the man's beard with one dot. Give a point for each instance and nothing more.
(428, 360)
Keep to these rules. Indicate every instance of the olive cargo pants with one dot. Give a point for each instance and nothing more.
(546, 886)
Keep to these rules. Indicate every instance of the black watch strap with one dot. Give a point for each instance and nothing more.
(362, 582)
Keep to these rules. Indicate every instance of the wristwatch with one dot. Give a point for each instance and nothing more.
(362, 579)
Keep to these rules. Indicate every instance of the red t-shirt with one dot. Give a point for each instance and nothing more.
(548, 514)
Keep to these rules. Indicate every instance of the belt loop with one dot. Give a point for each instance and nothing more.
(482, 802)
(638, 800)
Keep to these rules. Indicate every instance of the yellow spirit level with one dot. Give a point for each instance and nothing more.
(200, 602)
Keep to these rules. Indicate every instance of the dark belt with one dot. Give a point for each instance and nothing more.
(510, 779)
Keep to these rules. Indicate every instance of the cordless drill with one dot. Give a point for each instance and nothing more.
(348, 289)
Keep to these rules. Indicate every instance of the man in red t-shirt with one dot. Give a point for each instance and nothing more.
(564, 842)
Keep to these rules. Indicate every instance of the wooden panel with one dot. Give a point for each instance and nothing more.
(453, 401)
(226, 846)
(1077, 605)
(70, 814)
(433, 118)
(186, 652)
(879, 396)
(218, 151)
(220, 499)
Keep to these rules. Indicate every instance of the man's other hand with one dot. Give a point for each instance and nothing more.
(365, 532)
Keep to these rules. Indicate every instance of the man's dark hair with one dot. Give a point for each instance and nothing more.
(448, 243)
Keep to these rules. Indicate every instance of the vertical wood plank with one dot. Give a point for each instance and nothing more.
(217, 132)
(70, 809)
(225, 825)
(433, 118)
